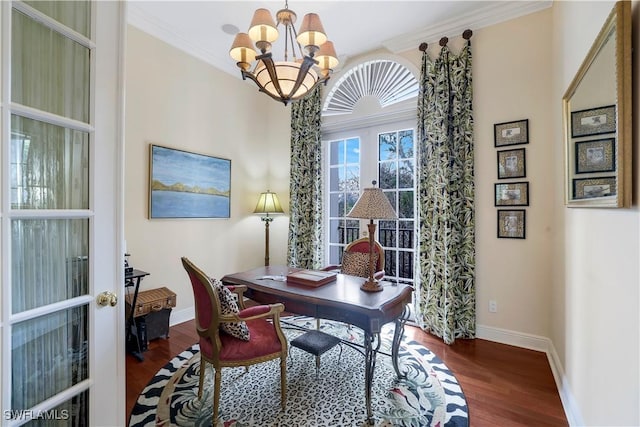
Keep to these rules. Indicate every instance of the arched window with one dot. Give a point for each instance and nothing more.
(369, 119)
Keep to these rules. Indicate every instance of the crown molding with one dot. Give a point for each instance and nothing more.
(492, 14)
(162, 31)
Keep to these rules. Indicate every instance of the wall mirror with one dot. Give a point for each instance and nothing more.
(597, 119)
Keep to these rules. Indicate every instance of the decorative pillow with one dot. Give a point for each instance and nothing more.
(228, 305)
(357, 263)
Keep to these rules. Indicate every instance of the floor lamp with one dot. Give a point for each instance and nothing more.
(372, 204)
(268, 204)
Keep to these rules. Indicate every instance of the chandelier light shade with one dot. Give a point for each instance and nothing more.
(313, 56)
(372, 204)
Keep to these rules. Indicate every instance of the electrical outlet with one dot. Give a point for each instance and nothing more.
(493, 306)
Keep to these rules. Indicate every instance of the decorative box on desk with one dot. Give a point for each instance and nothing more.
(153, 307)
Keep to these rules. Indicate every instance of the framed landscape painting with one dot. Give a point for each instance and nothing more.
(188, 185)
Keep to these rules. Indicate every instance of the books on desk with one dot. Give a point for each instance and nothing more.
(313, 278)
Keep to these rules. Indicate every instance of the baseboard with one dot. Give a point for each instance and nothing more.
(545, 345)
(180, 316)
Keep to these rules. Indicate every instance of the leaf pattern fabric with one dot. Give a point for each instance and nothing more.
(305, 206)
(446, 304)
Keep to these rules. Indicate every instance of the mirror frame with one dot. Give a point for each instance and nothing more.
(619, 20)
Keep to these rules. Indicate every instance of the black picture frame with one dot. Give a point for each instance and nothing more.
(593, 121)
(591, 188)
(511, 133)
(512, 163)
(595, 156)
(183, 184)
(512, 224)
(511, 194)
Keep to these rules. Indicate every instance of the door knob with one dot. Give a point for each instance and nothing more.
(107, 298)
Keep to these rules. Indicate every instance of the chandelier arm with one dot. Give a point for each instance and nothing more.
(267, 60)
(307, 63)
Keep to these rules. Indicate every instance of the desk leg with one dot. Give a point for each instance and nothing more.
(370, 352)
(398, 333)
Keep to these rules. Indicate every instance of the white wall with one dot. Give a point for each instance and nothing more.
(175, 100)
(596, 323)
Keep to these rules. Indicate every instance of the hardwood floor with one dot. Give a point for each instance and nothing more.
(504, 385)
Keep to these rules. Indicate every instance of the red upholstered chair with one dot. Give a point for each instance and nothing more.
(355, 259)
(265, 342)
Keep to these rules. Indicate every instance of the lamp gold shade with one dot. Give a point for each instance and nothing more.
(372, 204)
(268, 203)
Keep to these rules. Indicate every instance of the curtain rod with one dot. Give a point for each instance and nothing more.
(443, 41)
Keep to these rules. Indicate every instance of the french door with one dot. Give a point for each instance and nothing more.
(62, 353)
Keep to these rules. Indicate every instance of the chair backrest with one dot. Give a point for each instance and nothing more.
(362, 245)
(205, 298)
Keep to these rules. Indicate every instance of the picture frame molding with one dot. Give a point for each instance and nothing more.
(188, 185)
(504, 163)
(502, 140)
(505, 231)
(524, 188)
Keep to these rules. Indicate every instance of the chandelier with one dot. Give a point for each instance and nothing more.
(310, 64)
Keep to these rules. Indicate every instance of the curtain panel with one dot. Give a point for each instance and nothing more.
(305, 206)
(446, 244)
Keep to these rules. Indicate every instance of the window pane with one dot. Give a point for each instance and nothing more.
(352, 230)
(73, 14)
(406, 204)
(352, 179)
(405, 234)
(49, 166)
(336, 176)
(352, 198)
(387, 174)
(405, 150)
(405, 174)
(49, 354)
(49, 261)
(353, 150)
(336, 149)
(387, 145)
(335, 254)
(336, 231)
(405, 264)
(336, 204)
(48, 71)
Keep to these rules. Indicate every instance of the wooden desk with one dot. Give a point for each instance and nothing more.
(341, 300)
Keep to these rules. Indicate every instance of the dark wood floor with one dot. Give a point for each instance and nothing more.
(504, 385)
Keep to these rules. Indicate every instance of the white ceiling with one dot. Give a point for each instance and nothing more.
(355, 27)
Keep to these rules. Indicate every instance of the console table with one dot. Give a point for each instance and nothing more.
(132, 280)
(340, 300)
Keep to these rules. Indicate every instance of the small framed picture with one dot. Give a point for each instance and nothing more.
(511, 224)
(594, 121)
(511, 133)
(595, 156)
(589, 188)
(511, 164)
(512, 194)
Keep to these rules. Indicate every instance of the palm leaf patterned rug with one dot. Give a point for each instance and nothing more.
(430, 396)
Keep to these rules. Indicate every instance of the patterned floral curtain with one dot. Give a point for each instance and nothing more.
(446, 305)
(305, 206)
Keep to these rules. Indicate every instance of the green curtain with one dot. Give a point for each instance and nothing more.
(446, 244)
(305, 222)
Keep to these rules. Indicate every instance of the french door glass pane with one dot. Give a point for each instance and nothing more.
(48, 71)
(49, 354)
(74, 14)
(49, 261)
(49, 166)
(72, 413)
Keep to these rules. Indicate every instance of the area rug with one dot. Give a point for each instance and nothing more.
(430, 396)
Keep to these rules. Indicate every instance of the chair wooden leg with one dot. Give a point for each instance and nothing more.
(203, 366)
(216, 396)
(283, 382)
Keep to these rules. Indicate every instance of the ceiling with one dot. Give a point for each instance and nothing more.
(205, 29)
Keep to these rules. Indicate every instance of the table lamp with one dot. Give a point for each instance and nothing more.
(372, 204)
(267, 204)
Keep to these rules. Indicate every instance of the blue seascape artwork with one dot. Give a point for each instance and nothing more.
(188, 185)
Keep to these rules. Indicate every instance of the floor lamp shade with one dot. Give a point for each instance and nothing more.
(268, 203)
(372, 204)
